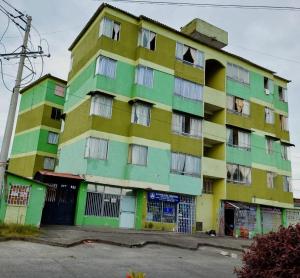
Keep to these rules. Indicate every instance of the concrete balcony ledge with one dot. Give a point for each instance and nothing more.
(215, 132)
(214, 97)
(213, 168)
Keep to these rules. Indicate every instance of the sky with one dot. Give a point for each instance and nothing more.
(269, 38)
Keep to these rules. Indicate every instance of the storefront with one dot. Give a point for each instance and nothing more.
(292, 216)
(172, 212)
(240, 219)
(271, 219)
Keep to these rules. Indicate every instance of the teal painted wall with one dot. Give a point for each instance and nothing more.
(116, 166)
(258, 154)
(36, 140)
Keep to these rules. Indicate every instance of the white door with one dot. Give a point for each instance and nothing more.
(127, 212)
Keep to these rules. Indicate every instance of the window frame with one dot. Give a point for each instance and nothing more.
(271, 180)
(140, 43)
(268, 111)
(87, 148)
(57, 136)
(101, 27)
(235, 134)
(56, 114)
(92, 107)
(184, 173)
(52, 159)
(190, 118)
(133, 108)
(239, 181)
(98, 67)
(198, 52)
(236, 76)
(136, 78)
(130, 149)
(235, 110)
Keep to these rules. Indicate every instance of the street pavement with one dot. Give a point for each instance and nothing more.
(19, 259)
(67, 236)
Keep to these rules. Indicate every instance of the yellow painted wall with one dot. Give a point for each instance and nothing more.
(15, 214)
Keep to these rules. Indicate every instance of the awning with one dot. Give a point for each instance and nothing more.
(92, 93)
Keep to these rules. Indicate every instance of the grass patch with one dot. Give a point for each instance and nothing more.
(17, 230)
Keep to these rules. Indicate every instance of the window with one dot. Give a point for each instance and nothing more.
(161, 211)
(56, 114)
(268, 85)
(286, 184)
(269, 115)
(110, 29)
(189, 55)
(186, 125)
(184, 164)
(284, 123)
(59, 91)
(188, 89)
(106, 66)
(238, 105)
(103, 201)
(270, 179)
(52, 138)
(140, 114)
(144, 76)
(285, 154)
(207, 186)
(96, 148)
(282, 93)
(238, 138)
(101, 106)
(18, 195)
(49, 163)
(138, 155)
(269, 145)
(238, 73)
(238, 173)
(147, 39)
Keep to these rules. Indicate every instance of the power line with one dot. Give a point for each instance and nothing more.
(209, 5)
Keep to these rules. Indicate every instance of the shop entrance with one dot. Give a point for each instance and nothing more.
(185, 214)
(229, 221)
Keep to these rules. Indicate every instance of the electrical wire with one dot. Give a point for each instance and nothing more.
(7, 26)
(210, 5)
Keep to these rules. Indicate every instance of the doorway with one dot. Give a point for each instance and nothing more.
(229, 221)
(127, 212)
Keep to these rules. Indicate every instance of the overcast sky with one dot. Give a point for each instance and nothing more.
(269, 38)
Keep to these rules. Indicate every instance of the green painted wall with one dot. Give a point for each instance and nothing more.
(36, 199)
(36, 140)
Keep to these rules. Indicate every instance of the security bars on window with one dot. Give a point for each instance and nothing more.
(18, 195)
(164, 212)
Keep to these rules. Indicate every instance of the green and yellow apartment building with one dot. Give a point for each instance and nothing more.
(167, 130)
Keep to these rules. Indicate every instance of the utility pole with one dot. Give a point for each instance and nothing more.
(13, 107)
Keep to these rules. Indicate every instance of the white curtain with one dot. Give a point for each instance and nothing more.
(199, 59)
(116, 30)
(96, 148)
(229, 70)
(229, 136)
(245, 174)
(231, 169)
(244, 139)
(144, 76)
(177, 123)
(177, 162)
(145, 38)
(188, 89)
(106, 66)
(196, 127)
(179, 50)
(192, 165)
(106, 27)
(246, 108)
(230, 102)
(52, 138)
(49, 163)
(101, 106)
(194, 55)
(139, 154)
(140, 114)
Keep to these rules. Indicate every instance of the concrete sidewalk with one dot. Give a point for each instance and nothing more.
(68, 236)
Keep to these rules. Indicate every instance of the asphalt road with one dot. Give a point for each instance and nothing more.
(24, 259)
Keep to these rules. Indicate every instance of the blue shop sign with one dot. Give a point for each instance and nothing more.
(168, 211)
(157, 196)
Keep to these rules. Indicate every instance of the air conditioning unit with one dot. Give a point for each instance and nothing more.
(267, 91)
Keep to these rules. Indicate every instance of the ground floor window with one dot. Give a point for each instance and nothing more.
(18, 195)
(158, 211)
(103, 201)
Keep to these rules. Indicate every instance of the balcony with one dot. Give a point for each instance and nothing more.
(215, 133)
(213, 168)
(214, 99)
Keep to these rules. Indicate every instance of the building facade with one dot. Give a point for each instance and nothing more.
(171, 132)
(38, 127)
